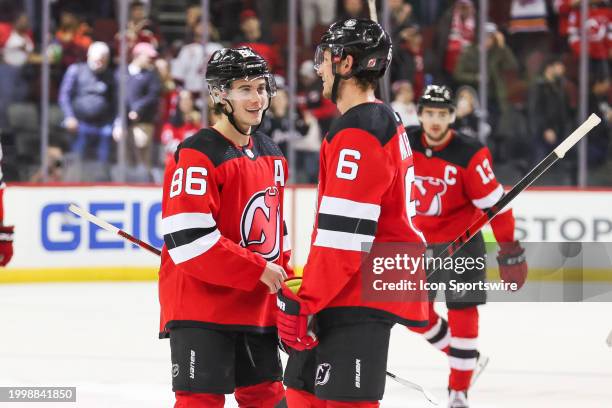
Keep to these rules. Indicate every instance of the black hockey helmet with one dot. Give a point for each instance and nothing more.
(365, 40)
(436, 96)
(229, 64)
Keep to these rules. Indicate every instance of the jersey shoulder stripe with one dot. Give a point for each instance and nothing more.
(211, 144)
(459, 151)
(375, 118)
(265, 146)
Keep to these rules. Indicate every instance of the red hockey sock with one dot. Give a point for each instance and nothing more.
(436, 332)
(186, 399)
(303, 399)
(463, 353)
(263, 395)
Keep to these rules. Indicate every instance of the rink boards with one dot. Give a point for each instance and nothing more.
(51, 244)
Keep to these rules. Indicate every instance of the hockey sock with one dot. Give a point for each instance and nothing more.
(436, 332)
(263, 395)
(185, 399)
(463, 353)
(302, 399)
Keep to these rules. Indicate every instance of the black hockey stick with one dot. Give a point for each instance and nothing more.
(558, 153)
(111, 228)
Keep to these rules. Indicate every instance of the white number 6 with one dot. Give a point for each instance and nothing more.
(344, 164)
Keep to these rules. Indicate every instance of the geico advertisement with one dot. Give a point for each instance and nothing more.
(47, 235)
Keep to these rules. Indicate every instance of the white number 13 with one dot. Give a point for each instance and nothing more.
(485, 171)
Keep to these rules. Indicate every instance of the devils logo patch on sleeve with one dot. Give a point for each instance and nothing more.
(261, 226)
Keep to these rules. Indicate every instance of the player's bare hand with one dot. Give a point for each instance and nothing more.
(273, 275)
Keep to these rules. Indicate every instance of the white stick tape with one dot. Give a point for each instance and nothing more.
(578, 134)
(92, 218)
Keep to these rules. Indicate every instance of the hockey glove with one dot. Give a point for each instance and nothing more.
(512, 263)
(292, 321)
(6, 244)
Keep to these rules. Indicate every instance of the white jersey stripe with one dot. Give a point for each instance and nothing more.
(349, 208)
(490, 199)
(179, 222)
(196, 248)
(464, 343)
(462, 364)
(342, 240)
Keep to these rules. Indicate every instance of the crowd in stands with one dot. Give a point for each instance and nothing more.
(532, 46)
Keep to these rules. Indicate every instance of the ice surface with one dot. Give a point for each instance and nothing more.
(102, 338)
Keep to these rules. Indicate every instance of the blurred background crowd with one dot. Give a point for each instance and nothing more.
(533, 49)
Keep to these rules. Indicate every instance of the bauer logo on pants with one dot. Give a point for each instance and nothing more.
(323, 372)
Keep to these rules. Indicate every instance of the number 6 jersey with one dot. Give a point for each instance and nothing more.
(222, 220)
(365, 178)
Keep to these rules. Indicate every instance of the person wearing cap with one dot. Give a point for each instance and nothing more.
(87, 98)
(142, 94)
(253, 36)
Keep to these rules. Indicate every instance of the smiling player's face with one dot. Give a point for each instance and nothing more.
(249, 98)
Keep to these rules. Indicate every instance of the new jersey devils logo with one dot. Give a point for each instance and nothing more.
(260, 225)
(428, 194)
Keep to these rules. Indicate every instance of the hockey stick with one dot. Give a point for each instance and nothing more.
(384, 91)
(558, 153)
(75, 209)
(111, 228)
(414, 386)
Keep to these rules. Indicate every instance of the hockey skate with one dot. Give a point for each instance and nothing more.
(457, 399)
(481, 364)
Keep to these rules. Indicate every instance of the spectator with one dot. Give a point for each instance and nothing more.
(87, 99)
(563, 9)
(193, 16)
(599, 34)
(183, 123)
(188, 67)
(315, 12)
(276, 122)
(428, 12)
(403, 103)
(401, 17)
(310, 98)
(599, 137)
(500, 61)
(455, 32)
(143, 92)
(408, 63)
(16, 51)
(252, 36)
(549, 109)
(468, 114)
(73, 35)
(140, 29)
(55, 169)
(353, 9)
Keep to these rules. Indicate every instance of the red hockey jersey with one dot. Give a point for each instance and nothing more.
(222, 219)
(365, 179)
(454, 183)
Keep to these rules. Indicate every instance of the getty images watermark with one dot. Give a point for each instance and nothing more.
(558, 271)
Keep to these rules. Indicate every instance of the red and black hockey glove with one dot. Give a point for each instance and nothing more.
(6, 244)
(292, 321)
(512, 263)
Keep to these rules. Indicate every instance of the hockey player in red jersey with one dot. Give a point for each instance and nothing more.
(454, 184)
(365, 180)
(6, 231)
(225, 246)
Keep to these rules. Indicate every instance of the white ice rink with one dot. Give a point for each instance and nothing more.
(102, 338)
